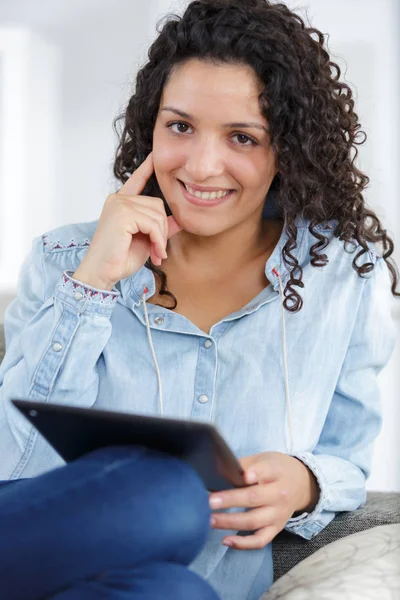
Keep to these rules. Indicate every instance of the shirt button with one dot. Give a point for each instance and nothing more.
(159, 320)
(203, 398)
(208, 343)
(78, 295)
(57, 347)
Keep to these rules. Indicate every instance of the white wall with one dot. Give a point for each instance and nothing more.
(101, 44)
(29, 142)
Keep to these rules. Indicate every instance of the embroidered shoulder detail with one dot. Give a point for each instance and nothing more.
(69, 237)
(49, 245)
(87, 292)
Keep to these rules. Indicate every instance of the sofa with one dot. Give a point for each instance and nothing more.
(354, 542)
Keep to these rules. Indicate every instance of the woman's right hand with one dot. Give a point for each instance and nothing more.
(130, 229)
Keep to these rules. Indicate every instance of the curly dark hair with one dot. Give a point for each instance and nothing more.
(313, 128)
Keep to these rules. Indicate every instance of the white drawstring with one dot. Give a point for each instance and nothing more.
(285, 365)
(146, 316)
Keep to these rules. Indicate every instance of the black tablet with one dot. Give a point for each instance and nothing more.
(74, 431)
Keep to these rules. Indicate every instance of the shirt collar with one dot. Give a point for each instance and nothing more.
(144, 282)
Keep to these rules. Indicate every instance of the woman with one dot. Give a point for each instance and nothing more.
(236, 277)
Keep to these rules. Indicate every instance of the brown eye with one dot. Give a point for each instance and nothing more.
(244, 140)
(178, 127)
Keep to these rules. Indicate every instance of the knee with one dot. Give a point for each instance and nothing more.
(183, 488)
(163, 491)
(185, 511)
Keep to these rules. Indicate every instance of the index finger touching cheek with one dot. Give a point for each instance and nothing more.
(139, 178)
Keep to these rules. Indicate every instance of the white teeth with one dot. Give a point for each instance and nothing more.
(206, 195)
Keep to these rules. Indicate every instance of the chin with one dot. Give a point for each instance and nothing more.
(204, 226)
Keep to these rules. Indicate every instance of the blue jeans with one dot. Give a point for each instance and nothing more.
(119, 523)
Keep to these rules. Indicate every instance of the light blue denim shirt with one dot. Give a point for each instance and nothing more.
(299, 383)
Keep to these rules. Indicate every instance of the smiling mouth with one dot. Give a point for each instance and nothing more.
(209, 195)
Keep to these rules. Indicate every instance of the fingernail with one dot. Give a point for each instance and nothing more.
(213, 520)
(251, 477)
(227, 542)
(215, 502)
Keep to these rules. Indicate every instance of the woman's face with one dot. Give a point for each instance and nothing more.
(211, 136)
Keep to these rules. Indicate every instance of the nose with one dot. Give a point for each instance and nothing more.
(204, 161)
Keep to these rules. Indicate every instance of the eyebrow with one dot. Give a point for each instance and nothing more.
(185, 115)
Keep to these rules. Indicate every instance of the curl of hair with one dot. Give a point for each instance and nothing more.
(314, 130)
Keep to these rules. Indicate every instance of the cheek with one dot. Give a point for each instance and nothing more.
(257, 173)
(166, 156)
(248, 173)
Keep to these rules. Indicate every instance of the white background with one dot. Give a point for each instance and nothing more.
(74, 68)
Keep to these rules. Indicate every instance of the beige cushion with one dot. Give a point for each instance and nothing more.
(362, 566)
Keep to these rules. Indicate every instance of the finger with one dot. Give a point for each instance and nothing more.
(173, 227)
(137, 181)
(151, 227)
(170, 224)
(250, 520)
(153, 212)
(251, 496)
(258, 468)
(155, 259)
(248, 461)
(153, 202)
(260, 539)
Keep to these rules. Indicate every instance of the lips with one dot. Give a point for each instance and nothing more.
(203, 188)
(207, 199)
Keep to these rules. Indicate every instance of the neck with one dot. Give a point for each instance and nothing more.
(216, 256)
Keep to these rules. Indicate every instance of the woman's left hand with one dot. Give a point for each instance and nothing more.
(283, 485)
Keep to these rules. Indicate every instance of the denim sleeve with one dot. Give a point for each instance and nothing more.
(341, 461)
(54, 338)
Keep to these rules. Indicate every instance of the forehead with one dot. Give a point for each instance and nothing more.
(200, 87)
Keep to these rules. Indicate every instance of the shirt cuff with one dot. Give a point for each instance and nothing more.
(307, 525)
(85, 299)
